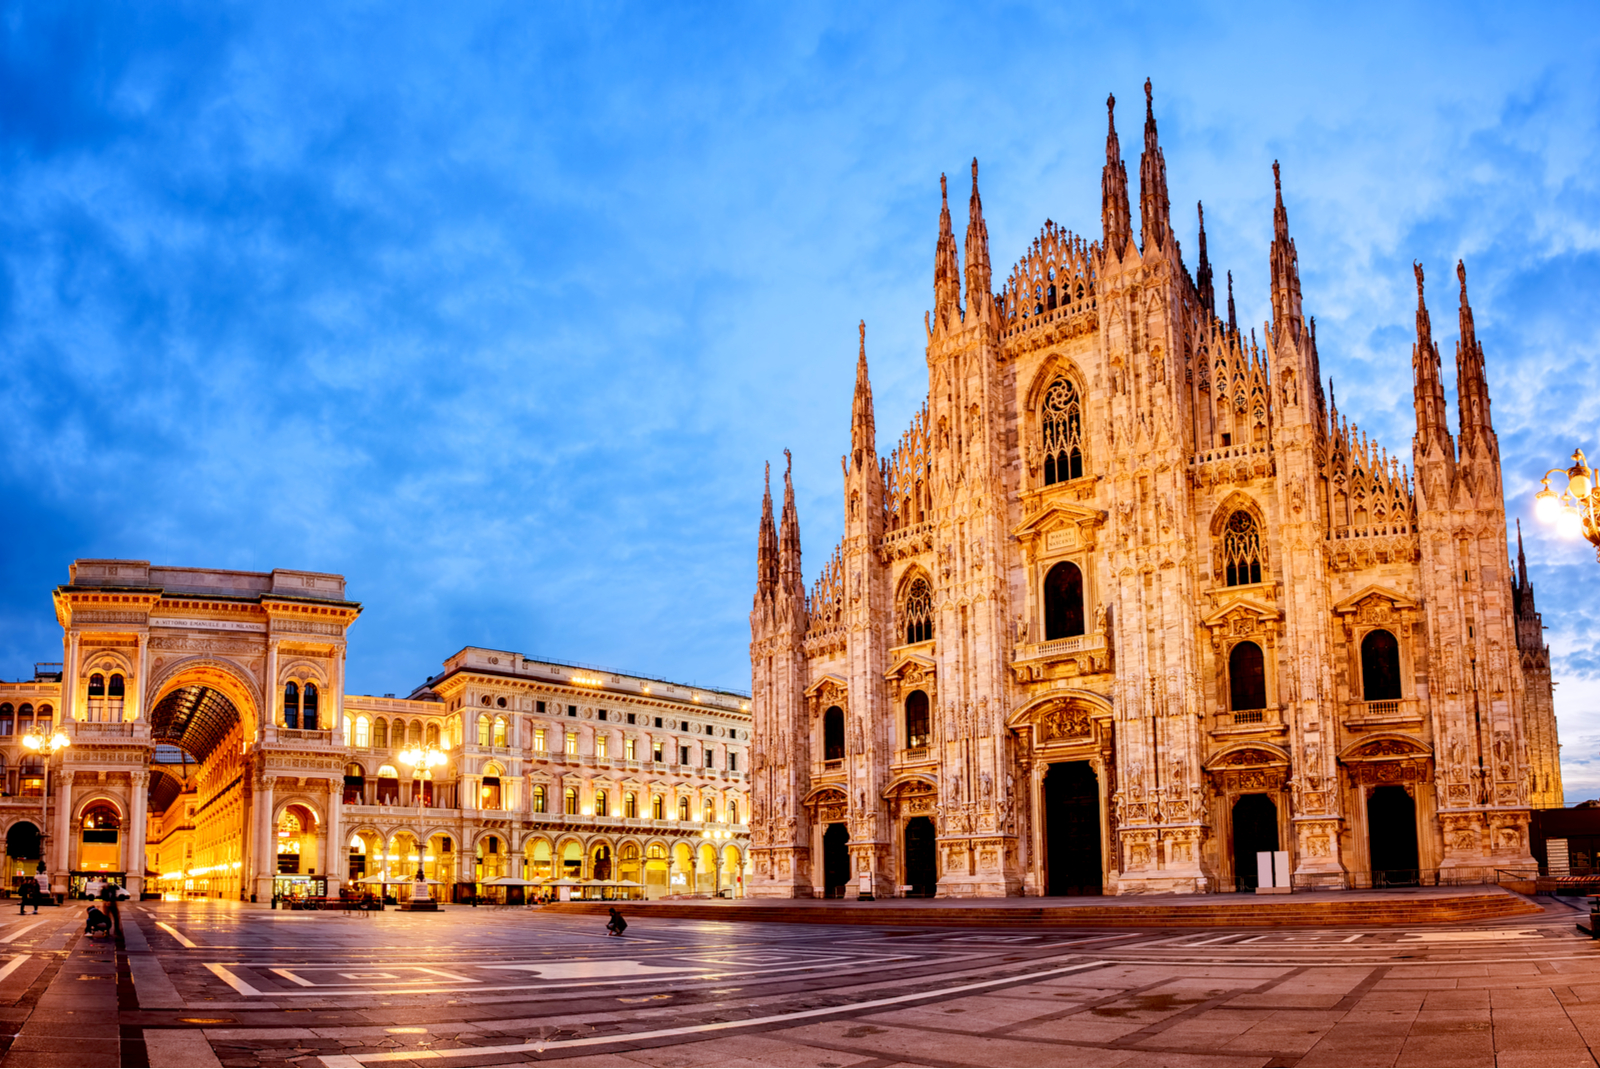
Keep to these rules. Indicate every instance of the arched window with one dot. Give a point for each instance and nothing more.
(416, 733)
(380, 733)
(433, 734)
(711, 811)
(499, 731)
(291, 704)
(41, 722)
(602, 804)
(683, 809)
(733, 812)
(308, 708)
(489, 791)
(1247, 677)
(363, 732)
(1063, 601)
(1061, 424)
(6, 713)
(355, 781)
(539, 799)
(97, 686)
(1241, 550)
(115, 690)
(570, 801)
(630, 805)
(483, 729)
(31, 776)
(1380, 667)
(658, 807)
(24, 718)
(916, 720)
(833, 734)
(388, 785)
(916, 611)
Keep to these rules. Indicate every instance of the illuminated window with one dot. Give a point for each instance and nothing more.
(380, 733)
(658, 807)
(539, 800)
(627, 749)
(571, 801)
(483, 729)
(656, 753)
(363, 732)
(630, 805)
(600, 746)
(733, 812)
(500, 731)
(538, 739)
(572, 743)
(602, 804)
(683, 809)
(711, 811)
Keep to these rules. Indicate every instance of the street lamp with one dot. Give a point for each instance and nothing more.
(48, 747)
(421, 760)
(1573, 511)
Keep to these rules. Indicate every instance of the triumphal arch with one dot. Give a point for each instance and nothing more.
(1130, 601)
(197, 659)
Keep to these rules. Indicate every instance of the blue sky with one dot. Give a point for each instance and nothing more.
(498, 310)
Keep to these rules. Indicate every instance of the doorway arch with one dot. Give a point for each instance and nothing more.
(835, 860)
(1392, 836)
(1072, 830)
(1255, 828)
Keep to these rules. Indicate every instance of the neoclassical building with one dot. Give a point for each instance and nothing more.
(213, 752)
(1130, 601)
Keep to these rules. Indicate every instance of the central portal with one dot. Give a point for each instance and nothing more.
(922, 866)
(1255, 828)
(1392, 836)
(1072, 830)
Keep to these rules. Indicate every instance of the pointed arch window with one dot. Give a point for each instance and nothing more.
(1063, 601)
(1380, 667)
(916, 611)
(1241, 550)
(1061, 425)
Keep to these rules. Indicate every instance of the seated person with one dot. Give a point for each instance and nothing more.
(96, 923)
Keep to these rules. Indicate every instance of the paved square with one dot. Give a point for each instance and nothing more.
(211, 984)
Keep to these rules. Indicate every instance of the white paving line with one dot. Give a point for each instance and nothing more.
(21, 931)
(179, 936)
(230, 979)
(355, 1061)
(12, 966)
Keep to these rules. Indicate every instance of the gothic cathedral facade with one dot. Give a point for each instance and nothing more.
(1129, 603)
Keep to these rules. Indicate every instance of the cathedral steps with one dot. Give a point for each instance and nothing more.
(1312, 909)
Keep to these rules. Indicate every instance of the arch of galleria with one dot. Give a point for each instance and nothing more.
(1130, 602)
(213, 752)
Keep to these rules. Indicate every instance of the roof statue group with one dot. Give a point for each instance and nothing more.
(1129, 603)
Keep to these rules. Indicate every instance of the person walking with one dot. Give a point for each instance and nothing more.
(108, 902)
(29, 892)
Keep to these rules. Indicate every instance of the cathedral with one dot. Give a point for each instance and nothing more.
(1130, 603)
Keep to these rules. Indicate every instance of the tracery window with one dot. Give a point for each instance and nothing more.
(1061, 424)
(1380, 667)
(1063, 601)
(916, 611)
(1241, 550)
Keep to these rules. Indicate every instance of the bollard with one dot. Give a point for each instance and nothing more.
(1593, 929)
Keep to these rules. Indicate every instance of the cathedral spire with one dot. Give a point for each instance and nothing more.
(1285, 266)
(946, 271)
(1114, 215)
(1522, 561)
(1208, 296)
(1155, 214)
(1472, 388)
(1428, 391)
(767, 546)
(863, 433)
(978, 280)
(789, 578)
(1233, 318)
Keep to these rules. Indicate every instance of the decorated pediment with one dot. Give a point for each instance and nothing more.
(910, 784)
(1375, 599)
(1386, 748)
(1067, 720)
(911, 668)
(829, 690)
(1255, 755)
(826, 795)
(1244, 616)
(1062, 521)
(1096, 704)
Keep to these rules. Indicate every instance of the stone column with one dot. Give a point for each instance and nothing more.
(59, 862)
(136, 833)
(336, 862)
(266, 859)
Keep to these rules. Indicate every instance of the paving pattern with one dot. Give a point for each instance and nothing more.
(213, 984)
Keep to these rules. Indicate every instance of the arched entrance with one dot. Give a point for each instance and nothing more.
(22, 852)
(1072, 830)
(1255, 828)
(1392, 836)
(835, 860)
(922, 865)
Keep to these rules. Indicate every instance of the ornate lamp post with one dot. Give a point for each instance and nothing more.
(48, 747)
(1573, 511)
(422, 760)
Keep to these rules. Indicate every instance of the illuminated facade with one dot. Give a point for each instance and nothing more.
(1129, 602)
(211, 739)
